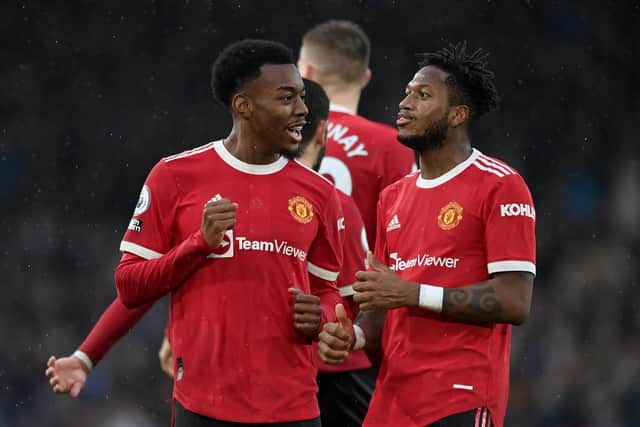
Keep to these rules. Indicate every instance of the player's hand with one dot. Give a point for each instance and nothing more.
(336, 339)
(218, 216)
(383, 289)
(166, 357)
(307, 312)
(67, 375)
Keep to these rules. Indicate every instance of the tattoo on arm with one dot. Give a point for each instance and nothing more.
(476, 303)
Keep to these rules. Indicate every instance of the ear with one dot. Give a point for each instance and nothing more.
(320, 136)
(241, 105)
(366, 79)
(306, 71)
(459, 115)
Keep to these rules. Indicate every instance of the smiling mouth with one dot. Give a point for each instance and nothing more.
(295, 132)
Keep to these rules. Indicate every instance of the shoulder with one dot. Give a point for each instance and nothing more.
(498, 179)
(393, 191)
(189, 156)
(361, 124)
(312, 177)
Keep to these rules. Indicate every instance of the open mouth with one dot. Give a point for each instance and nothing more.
(295, 132)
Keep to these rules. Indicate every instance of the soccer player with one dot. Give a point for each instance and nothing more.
(457, 248)
(363, 156)
(238, 234)
(344, 390)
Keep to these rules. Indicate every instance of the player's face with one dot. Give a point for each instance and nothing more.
(278, 110)
(423, 120)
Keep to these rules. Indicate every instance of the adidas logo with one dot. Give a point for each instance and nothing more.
(394, 224)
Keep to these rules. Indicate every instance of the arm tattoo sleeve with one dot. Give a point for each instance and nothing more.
(476, 303)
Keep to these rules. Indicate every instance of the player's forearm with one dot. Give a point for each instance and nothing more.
(505, 298)
(140, 281)
(113, 324)
(329, 297)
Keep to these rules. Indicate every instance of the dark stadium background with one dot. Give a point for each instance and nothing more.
(93, 94)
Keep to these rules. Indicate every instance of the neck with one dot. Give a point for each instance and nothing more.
(347, 96)
(247, 147)
(455, 150)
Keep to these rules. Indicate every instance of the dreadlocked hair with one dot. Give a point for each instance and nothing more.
(470, 82)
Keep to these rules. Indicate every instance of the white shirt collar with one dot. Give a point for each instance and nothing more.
(249, 168)
(457, 170)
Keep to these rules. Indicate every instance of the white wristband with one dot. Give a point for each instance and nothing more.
(361, 340)
(83, 358)
(431, 297)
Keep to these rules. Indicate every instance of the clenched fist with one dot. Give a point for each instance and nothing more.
(218, 216)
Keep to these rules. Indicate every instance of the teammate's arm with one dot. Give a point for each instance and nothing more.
(504, 298)
(68, 375)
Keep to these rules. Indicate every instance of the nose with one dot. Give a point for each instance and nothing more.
(405, 103)
(301, 108)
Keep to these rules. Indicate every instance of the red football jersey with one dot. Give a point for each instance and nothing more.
(237, 354)
(355, 252)
(476, 220)
(362, 158)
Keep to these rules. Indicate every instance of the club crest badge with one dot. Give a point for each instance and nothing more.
(301, 209)
(450, 216)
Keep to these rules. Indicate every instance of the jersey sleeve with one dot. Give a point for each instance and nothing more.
(150, 229)
(113, 324)
(510, 218)
(325, 254)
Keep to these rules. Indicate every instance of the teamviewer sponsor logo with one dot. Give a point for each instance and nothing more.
(278, 246)
(225, 249)
(424, 260)
(518, 209)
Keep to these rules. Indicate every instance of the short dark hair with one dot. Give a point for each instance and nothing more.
(318, 105)
(343, 46)
(240, 63)
(470, 82)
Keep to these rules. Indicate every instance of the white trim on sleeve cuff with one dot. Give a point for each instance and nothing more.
(141, 251)
(320, 272)
(347, 291)
(503, 266)
(83, 358)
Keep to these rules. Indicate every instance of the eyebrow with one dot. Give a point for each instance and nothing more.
(290, 88)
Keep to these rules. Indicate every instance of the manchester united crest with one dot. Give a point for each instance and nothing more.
(450, 216)
(301, 209)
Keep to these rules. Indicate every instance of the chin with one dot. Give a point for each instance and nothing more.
(290, 152)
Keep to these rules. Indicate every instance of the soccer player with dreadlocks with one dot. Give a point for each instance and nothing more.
(454, 261)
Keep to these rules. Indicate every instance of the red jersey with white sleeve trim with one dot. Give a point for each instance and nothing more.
(237, 355)
(355, 252)
(455, 230)
(362, 158)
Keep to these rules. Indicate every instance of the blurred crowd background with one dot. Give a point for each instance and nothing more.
(93, 93)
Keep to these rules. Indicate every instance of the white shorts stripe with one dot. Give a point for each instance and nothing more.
(322, 273)
(463, 387)
(493, 165)
(503, 266)
(486, 169)
(141, 251)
